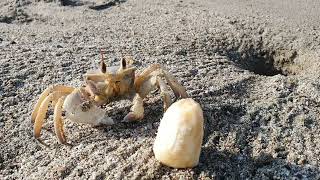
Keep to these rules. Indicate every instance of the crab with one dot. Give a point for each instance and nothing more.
(102, 86)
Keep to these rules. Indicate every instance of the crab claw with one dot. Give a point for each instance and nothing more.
(81, 111)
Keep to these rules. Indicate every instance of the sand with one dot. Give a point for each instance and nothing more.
(252, 65)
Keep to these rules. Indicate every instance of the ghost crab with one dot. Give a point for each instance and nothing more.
(82, 105)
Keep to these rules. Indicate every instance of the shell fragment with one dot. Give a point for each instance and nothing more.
(180, 134)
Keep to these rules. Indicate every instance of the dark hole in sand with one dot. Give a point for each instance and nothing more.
(92, 5)
(265, 62)
(107, 5)
(71, 3)
(257, 63)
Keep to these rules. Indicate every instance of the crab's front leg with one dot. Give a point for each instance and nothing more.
(137, 110)
(143, 89)
(157, 70)
(151, 78)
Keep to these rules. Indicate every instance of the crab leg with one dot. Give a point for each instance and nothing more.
(177, 88)
(58, 122)
(43, 111)
(156, 69)
(137, 110)
(45, 93)
(164, 93)
(144, 75)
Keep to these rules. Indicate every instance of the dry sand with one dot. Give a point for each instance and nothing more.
(252, 65)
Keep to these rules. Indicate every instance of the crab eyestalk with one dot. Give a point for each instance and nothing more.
(103, 66)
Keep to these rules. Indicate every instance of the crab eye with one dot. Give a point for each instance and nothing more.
(123, 63)
(103, 67)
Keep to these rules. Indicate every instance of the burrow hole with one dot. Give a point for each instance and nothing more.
(266, 62)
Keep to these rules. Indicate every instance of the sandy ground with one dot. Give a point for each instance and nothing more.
(252, 65)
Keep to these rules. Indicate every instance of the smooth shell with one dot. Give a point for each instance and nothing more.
(180, 134)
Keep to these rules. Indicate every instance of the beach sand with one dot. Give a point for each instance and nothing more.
(252, 65)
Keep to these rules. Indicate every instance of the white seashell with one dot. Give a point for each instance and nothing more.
(180, 134)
